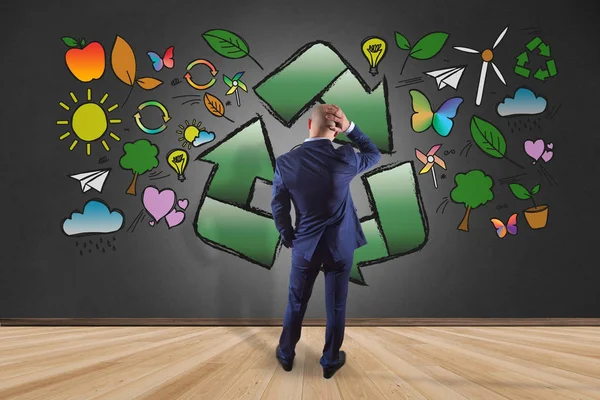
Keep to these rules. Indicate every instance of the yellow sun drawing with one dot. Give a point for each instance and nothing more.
(89, 122)
(190, 133)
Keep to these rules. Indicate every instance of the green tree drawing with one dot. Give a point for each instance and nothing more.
(472, 189)
(140, 157)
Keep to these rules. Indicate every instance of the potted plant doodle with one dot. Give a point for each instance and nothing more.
(536, 216)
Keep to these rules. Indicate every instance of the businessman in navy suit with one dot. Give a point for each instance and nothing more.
(316, 178)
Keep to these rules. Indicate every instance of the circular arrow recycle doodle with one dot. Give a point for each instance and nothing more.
(544, 50)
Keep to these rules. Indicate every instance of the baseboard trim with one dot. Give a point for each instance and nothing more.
(307, 322)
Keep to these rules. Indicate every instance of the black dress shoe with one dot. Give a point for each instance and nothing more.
(329, 371)
(287, 365)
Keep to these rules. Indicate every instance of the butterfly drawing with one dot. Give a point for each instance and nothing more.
(158, 62)
(510, 227)
(424, 117)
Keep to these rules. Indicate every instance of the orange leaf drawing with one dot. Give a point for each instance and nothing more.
(214, 105)
(149, 83)
(123, 61)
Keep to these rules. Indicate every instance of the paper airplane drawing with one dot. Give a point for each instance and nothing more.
(92, 179)
(447, 77)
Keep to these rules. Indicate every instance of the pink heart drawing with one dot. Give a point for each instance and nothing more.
(547, 156)
(183, 203)
(174, 218)
(535, 149)
(158, 203)
(151, 223)
(550, 145)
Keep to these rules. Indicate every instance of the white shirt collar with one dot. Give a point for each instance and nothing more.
(310, 139)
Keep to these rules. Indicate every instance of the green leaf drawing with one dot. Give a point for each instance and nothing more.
(402, 42)
(425, 48)
(488, 137)
(228, 44)
(82, 42)
(519, 191)
(69, 41)
(429, 45)
(535, 189)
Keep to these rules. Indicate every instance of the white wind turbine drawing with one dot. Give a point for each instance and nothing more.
(487, 55)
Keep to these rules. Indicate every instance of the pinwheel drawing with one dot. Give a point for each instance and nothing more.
(430, 159)
(487, 56)
(235, 83)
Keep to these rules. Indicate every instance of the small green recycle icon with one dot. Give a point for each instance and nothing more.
(544, 50)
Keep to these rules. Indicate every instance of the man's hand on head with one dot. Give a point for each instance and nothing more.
(335, 114)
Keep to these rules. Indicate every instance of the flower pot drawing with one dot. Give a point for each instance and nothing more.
(537, 216)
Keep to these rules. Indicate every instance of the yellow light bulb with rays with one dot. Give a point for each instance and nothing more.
(374, 48)
(89, 122)
(189, 133)
(178, 160)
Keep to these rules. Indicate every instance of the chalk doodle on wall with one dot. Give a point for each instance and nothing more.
(540, 150)
(163, 204)
(502, 229)
(140, 157)
(194, 134)
(374, 49)
(124, 67)
(234, 84)
(225, 219)
(473, 189)
(89, 122)
(425, 48)
(487, 56)
(200, 86)
(524, 102)
(536, 216)
(178, 161)
(544, 72)
(215, 106)
(447, 76)
(165, 117)
(96, 218)
(92, 179)
(166, 60)
(489, 139)
(228, 44)
(429, 160)
(424, 117)
(86, 61)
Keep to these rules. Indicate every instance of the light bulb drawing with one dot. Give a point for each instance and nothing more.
(178, 160)
(487, 56)
(374, 48)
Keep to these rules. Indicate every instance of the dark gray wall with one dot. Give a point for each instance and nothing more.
(155, 272)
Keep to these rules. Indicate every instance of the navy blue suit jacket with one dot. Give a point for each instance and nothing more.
(316, 178)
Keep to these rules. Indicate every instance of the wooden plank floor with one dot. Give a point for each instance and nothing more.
(239, 363)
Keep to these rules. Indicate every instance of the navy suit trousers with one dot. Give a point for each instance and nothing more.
(302, 278)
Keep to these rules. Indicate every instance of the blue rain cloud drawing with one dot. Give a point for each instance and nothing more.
(96, 218)
(525, 102)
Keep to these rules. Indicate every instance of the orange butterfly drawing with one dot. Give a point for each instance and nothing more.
(510, 227)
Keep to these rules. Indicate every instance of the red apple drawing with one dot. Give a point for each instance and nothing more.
(85, 61)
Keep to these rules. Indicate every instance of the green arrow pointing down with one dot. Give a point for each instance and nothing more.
(318, 73)
(225, 219)
(398, 225)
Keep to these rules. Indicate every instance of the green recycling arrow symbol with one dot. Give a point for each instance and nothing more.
(225, 219)
(523, 59)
